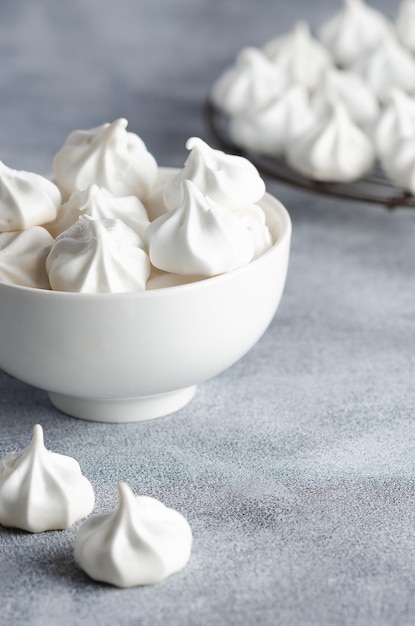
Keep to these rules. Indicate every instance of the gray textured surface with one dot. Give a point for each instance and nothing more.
(295, 467)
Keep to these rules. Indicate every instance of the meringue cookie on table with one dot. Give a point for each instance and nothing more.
(399, 163)
(270, 129)
(140, 542)
(198, 237)
(99, 203)
(23, 256)
(108, 156)
(299, 55)
(405, 24)
(396, 121)
(98, 256)
(231, 181)
(26, 199)
(352, 32)
(334, 150)
(42, 490)
(252, 81)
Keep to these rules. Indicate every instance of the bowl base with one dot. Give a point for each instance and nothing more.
(123, 410)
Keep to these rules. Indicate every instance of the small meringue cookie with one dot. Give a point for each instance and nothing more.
(396, 121)
(229, 180)
(299, 55)
(253, 217)
(42, 490)
(23, 256)
(334, 150)
(98, 256)
(140, 542)
(198, 237)
(405, 24)
(388, 65)
(352, 32)
(108, 156)
(399, 163)
(26, 199)
(252, 82)
(270, 129)
(99, 203)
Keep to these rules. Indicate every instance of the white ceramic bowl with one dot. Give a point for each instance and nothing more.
(133, 356)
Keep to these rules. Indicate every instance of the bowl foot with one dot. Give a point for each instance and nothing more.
(123, 410)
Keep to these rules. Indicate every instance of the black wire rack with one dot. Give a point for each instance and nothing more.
(374, 188)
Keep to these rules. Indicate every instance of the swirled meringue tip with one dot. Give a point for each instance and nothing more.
(42, 490)
(140, 542)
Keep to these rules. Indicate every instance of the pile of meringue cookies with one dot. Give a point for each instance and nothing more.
(140, 542)
(331, 105)
(111, 221)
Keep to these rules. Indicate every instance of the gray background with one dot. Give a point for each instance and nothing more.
(295, 468)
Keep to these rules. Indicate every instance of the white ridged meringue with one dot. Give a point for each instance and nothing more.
(396, 121)
(399, 163)
(26, 199)
(334, 150)
(388, 65)
(270, 129)
(99, 203)
(98, 256)
(253, 81)
(229, 180)
(23, 256)
(352, 91)
(107, 156)
(405, 24)
(140, 542)
(299, 55)
(352, 32)
(42, 490)
(198, 237)
(255, 221)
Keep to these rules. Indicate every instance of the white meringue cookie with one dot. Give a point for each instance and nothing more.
(155, 205)
(399, 163)
(253, 81)
(352, 32)
(334, 150)
(198, 237)
(253, 217)
(108, 156)
(98, 256)
(352, 91)
(388, 65)
(26, 199)
(23, 256)
(270, 129)
(229, 180)
(396, 121)
(141, 542)
(41, 490)
(299, 55)
(99, 203)
(405, 24)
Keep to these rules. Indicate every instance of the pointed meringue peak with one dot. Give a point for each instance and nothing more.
(37, 442)
(301, 30)
(125, 495)
(197, 144)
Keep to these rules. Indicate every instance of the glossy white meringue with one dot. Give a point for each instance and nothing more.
(353, 31)
(270, 129)
(99, 203)
(98, 256)
(23, 256)
(399, 163)
(252, 82)
(42, 490)
(299, 55)
(140, 542)
(107, 156)
(334, 150)
(405, 24)
(198, 237)
(26, 199)
(229, 180)
(396, 121)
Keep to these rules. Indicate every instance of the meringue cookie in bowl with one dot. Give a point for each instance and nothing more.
(23, 256)
(253, 81)
(231, 181)
(405, 24)
(26, 199)
(352, 32)
(396, 121)
(98, 256)
(42, 490)
(140, 542)
(107, 156)
(336, 150)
